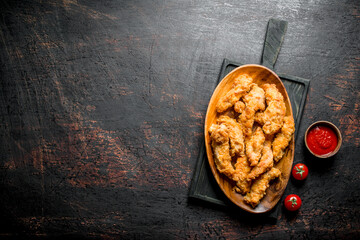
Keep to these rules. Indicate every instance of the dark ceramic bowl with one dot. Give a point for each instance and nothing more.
(336, 131)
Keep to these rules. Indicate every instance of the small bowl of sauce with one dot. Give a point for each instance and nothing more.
(323, 139)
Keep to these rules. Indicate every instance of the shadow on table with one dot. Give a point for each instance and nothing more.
(320, 165)
(236, 213)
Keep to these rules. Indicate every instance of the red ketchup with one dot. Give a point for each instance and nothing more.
(321, 140)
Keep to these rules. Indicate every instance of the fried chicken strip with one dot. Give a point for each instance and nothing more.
(266, 161)
(242, 86)
(254, 101)
(239, 106)
(242, 169)
(283, 138)
(273, 116)
(254, 146)
(221, 149)
(235, 134)
(259, 187)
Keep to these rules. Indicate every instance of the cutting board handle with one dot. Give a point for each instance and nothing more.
(274, 38)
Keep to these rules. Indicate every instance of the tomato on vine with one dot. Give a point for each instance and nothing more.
(292, 202)
(300, 171)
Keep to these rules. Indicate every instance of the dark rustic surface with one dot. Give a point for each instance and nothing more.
(103, 104)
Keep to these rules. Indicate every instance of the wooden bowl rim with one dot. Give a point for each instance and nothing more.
(334, 128)
(291, 145)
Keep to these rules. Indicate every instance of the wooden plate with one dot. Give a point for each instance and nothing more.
(261, 75)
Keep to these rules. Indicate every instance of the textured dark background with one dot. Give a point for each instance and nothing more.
(102, 108)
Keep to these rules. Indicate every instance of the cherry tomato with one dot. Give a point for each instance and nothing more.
(292, 202)
(300, 171)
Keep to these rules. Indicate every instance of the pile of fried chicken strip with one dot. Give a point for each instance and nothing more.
(251, 134)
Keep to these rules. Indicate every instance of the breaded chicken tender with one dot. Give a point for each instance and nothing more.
(239, 106)
(221, 149)
(242, 169)
(219, 133)
(283, 138)
(254, 101)
(259, 187)
(254, 146)
(241, 87)
(235, 134)
(273, 116)
(266, 161)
